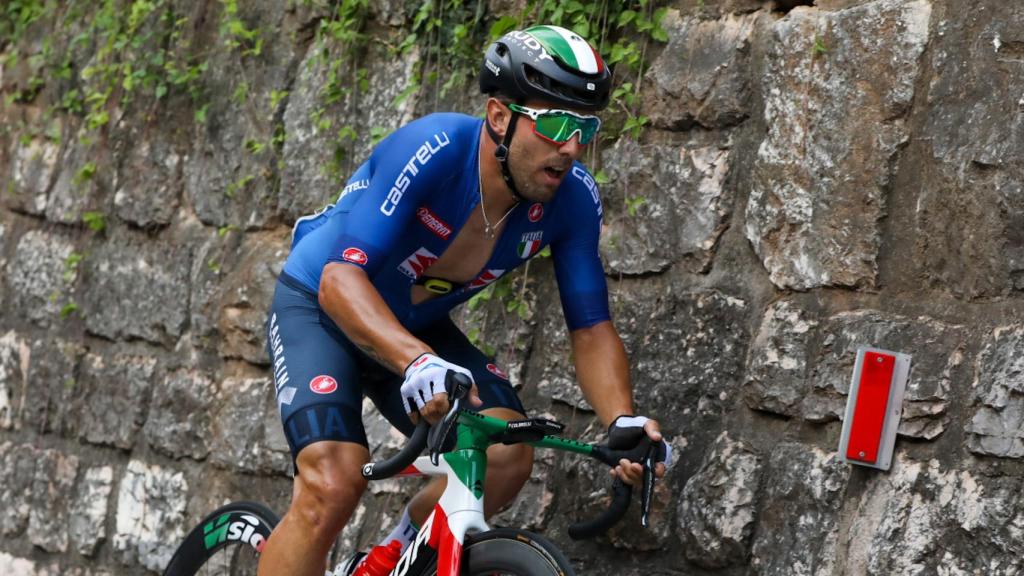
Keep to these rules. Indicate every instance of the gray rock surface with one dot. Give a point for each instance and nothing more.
(804, 543)
(32, 168)
(18, 474)
(13, 379)
(779, 359)
(246, 432)
(179, 416)
(53, 366)
(150, 514)
(87, 521)
(43, 275)
(318, 161)
(682, 223)
(717, 509)
(147, 187)
(997, 425)
(964, 242)
(703, 75)
(50, 499)
(801, 366)
(114, 398)
(833, 135)
(137, 290)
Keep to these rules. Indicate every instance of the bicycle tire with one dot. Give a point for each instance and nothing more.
(513, 552)
(225, 543)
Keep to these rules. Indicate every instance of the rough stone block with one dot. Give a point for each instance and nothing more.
(137, 289)
(33, 166)
(14, 359)
(179, 417)
(4, 242)
(80, 181)
(147, 186)
(837, 88)
(52, 377)
(316, 165)
(703, 75)
(997, 424)
(51, 494)
(14, 566)
(719, 505)
(803, 542)
(681, 219)
(116, 396)
(42, 277)
(88, 516)
(150, 514)
(779, 360)
(969, 209)
(16, 478)
(247, 434)
(231, 172)
(687, 351)
(926, 518)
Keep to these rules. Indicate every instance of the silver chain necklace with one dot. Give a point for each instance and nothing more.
(488, 229)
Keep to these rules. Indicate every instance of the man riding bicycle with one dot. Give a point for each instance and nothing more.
(444, 206)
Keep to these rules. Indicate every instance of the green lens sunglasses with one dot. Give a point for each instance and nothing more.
(558, 126)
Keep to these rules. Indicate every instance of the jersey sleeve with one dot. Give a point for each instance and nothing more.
(404, 169)
(581, 282)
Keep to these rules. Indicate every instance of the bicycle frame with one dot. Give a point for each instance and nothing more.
(460, 510)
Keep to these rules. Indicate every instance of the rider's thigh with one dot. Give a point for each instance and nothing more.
(514, 461)
(328, 485)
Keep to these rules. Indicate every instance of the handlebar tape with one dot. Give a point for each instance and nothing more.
(400, 461)
(621, 495)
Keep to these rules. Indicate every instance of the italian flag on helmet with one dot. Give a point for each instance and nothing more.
(569, 47)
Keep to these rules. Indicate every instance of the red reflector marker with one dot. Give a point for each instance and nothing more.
(871, 405)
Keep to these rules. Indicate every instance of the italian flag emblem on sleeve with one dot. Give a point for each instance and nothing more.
(530, 244)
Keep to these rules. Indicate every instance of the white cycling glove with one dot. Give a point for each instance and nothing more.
(424, 379)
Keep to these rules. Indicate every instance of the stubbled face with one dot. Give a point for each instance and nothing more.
(538, 165)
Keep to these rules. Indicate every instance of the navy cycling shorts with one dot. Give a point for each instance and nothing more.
(321, 376)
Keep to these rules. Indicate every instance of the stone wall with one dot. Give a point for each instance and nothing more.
(817, 175)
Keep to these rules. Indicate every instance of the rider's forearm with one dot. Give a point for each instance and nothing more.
(350, 299)
(603, 370)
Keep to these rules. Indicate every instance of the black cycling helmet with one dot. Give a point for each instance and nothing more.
(547, 63)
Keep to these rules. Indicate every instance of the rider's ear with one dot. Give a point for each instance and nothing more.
(498, 116)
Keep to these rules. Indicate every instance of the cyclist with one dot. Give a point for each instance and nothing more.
(444, 206)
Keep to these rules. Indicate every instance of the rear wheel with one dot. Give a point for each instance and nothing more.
(226, 543)
(508, 551)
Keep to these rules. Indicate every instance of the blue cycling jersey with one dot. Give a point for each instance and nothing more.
(404, 206)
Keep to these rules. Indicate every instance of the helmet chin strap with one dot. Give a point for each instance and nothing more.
(501, 153)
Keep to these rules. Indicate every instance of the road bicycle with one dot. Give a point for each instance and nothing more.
(455, 539)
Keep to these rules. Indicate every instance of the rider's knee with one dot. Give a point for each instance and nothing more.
(328, 487)
(515, 462)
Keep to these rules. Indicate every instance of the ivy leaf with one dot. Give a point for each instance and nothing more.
(503, 25)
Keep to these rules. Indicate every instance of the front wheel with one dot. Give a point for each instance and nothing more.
(507, 551)
(227, 542)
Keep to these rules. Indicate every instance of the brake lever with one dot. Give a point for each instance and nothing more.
(647, 494)
(439, 433)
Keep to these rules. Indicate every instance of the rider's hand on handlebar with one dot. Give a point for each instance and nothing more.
(424, 388)
(626, 432)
